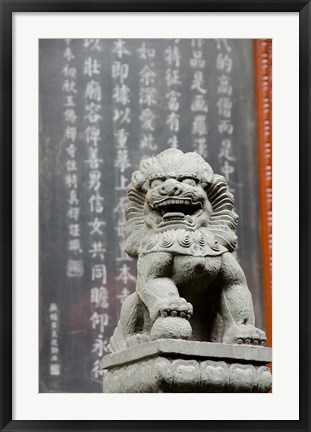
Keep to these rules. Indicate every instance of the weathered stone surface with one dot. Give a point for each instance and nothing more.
(190, 349)
(185, 366)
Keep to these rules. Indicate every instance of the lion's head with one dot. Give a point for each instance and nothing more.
(177, 190)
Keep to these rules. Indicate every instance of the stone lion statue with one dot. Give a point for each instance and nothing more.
(181, 228)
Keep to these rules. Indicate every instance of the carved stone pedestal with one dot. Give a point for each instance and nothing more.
(170, 365)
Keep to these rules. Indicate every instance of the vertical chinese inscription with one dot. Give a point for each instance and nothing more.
(54, 368)
(199, 106)
(121, 122)
(98, 293)
(148, 98)
(172, 59)
(224, 108)
(75, 262)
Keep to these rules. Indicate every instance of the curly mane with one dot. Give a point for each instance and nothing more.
(223, 220)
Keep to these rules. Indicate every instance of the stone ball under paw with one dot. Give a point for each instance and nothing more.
(171, 328)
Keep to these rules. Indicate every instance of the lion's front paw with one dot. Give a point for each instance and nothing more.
(244, 334)
(175, 307)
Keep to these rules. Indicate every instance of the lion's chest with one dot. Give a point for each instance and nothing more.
(200, 270)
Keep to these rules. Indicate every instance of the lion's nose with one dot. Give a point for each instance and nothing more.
(170, 187)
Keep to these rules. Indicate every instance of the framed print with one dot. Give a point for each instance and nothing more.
(92, 93)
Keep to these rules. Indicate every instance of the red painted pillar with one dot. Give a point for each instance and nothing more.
(263, 76)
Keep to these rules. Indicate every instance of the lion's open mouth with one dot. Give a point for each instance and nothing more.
(178, 210)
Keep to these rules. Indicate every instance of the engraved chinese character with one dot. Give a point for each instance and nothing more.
(92, 110)
(172, 56)
(71, 181)
(100, 346)
(93, 91)
(74, 245)
(99, 320)
(96, 225)
(223, 43)
(224, 62)
(91, 67)
(147, 76)
(173, 141)
(97, 370)
(147, 119)
(227, 170)
(199, 103)
(197, 60)
(99, 296)
(119, 48)
(121, 94)
(173, 100)
(120, 70)
(73, 213)
(69, 71)
(68, 55)
(93, 160)
(224, 87)
(74, 230)
(92, 134)
(97, 250)
(123, 295)
(225, 126)
(125, 275)
(99, 271)
(147, 141)
(199, 125)
(121, 138)
(69, 101)
(198, 82)
(122, 161)
(96, 201)
(173, 121)
(224, 107)
(70, 115)
(145, 53)
(69, 86)
(122, 116)
(201, 146)
(54, 369)
(172, 77)
(93, 44)
(147, 96)
(71, 133)
(94, 179)
(71, 165)
(75, 268)
(226, 150)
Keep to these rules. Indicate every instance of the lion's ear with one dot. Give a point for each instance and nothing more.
(138, 180)
(207, 176)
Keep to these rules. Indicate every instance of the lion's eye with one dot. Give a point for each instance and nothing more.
(156, 182)
(189, 181)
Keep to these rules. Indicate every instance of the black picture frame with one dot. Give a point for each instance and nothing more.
(9, 7)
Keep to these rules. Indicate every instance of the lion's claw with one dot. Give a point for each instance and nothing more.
(177, 307)
(245, 334)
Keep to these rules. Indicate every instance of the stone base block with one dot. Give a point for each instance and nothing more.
(187, 366)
